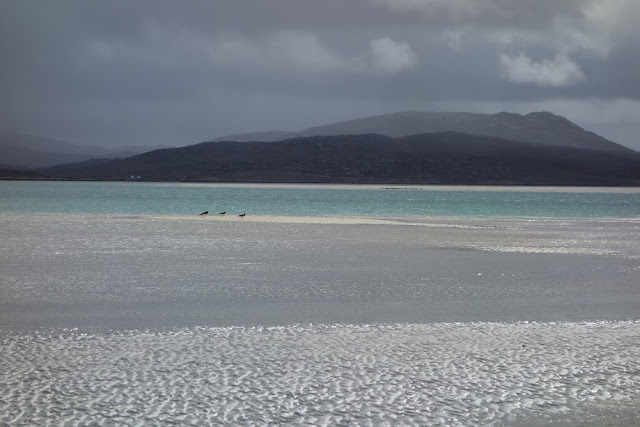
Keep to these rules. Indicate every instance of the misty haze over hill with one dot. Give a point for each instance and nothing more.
(20, 151)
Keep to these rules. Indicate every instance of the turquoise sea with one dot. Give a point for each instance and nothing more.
(316, 200)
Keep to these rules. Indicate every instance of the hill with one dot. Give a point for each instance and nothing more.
(435, 158)
(540, 127)
(21, 151)
(270, 135)
(9, 174)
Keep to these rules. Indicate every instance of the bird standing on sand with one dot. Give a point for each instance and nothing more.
(222, 213)
(241, 215)
(204, 213)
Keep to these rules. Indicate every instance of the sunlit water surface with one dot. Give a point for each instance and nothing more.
(447, 306)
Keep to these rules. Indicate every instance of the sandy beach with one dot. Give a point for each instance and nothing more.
(129, 271)
(134, 319)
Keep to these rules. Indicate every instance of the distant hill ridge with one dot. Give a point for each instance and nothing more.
(22, 151)
(450, 136)
(539, 127)
(433, 158)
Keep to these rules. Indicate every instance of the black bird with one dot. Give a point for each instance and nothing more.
(222, 213)
(241, 215)
(204, 213)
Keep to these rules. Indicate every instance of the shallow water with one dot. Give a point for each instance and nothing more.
(127, 271)
(318, 320)
(316, 200)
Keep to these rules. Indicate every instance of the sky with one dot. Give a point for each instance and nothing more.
(168, 72)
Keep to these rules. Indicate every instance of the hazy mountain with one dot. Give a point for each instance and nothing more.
(540, 127)
(20, 151)
(438, 158)
(122, 152)
(22, 175)
(411, 147)
(270, 135)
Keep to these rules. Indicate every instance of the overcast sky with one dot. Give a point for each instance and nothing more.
(138, 72)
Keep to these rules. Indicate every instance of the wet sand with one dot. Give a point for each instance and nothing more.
(318, 320)
(132, 271)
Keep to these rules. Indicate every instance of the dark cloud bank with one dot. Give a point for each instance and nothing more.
(174, 73)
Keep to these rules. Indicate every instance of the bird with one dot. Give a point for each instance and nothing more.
(222, 213)
(204, 213)
(241, 215)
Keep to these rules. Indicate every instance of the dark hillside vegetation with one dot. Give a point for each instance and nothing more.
(437, 158)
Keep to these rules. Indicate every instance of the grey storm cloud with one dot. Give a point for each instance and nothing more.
(159, 71)
(559, 71)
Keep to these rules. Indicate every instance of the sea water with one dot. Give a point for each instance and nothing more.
(310, 199)
(118, 307)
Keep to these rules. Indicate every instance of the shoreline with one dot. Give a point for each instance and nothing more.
(415, 220)
(561, 188)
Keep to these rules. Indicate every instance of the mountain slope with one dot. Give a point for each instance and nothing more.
(439, 158)
(266, 136)
(540, 127)
(21, 151)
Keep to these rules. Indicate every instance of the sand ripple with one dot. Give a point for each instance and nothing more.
(434, 374)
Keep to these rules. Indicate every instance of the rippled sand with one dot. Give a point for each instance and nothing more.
(433, 374)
